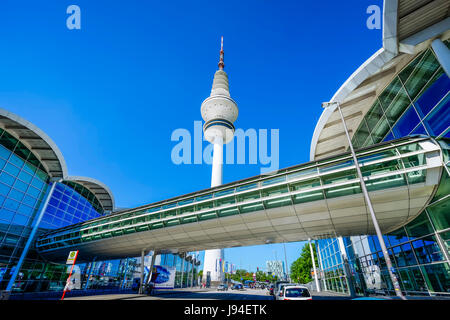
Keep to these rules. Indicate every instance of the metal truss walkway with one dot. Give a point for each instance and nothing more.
(313, 200)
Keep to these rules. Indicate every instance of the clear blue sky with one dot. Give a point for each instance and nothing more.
(111, 94)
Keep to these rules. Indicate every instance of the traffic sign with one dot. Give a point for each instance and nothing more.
(72, 257)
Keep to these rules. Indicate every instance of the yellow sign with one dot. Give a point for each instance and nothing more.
(72, 256)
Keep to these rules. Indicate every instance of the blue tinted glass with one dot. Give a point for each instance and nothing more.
(421, 253)
(59, 187)
(25, 210)
(4, 153)
(54, 202)
(439, 119)
(2, 163)
(19, 185)
(13, 170)
(73, 203)
(16, 195)
(4, 189)
(394, 240)
(62, 206)
(11, 204)
(47, 219)
(6, 215)
(433, 95)
(25, 177)
(65, 199)
(51, 209)
(376, 243)
(70, 210)
(419, 130)
(433, 250)
(407, 123)
(76, 196)
(447, 135)
(408, 254)
(29, 168)
(20, 220)
(7, 178)
(33, 192)
(57, 195)
(59, 213)
(45, 225)
(68, 191)
(38, 183)
(16, 161)
(389, 137)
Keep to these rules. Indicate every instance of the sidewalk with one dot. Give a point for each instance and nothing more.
(124, 296)
(181, 290)
(327, 295)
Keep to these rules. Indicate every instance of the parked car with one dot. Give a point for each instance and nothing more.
(238, 286)
(222, 287)
(289, 292)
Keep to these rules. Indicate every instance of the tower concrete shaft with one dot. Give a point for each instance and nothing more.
(219, 111)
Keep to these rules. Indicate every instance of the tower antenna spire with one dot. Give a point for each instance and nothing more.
(221, 63)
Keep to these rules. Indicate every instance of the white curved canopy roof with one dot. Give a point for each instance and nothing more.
(409, 26)
(36, 141)
(50, 156)
(99, 189)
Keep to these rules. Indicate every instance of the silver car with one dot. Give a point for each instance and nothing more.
(295, 293)
(280, 288)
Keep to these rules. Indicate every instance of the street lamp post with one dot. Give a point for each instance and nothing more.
(394, 280)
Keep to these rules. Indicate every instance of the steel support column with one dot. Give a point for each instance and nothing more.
(31, 237)
(316, 278)
(390, 268)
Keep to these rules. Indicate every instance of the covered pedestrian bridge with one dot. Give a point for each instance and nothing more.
(319, 199)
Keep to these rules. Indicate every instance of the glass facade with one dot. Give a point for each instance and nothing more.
(331, 265)
(415, 102)
(186, 272)
(24, 186)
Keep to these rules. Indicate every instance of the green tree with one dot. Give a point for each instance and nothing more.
(301, 268)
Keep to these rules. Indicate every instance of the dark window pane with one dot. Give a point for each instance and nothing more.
(406, 72)
(380, 130)
(388, 95)
(408, 254)
(420, 226)
(422, 74)
(438, 88)
(397, 107)
(437, 277)
(439, 119)
(440, 214)
(406, 123)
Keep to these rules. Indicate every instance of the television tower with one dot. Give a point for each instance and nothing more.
(219, 111)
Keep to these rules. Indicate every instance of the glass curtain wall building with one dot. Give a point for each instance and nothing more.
(186, 271)
(416, 101)
(25, 179)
